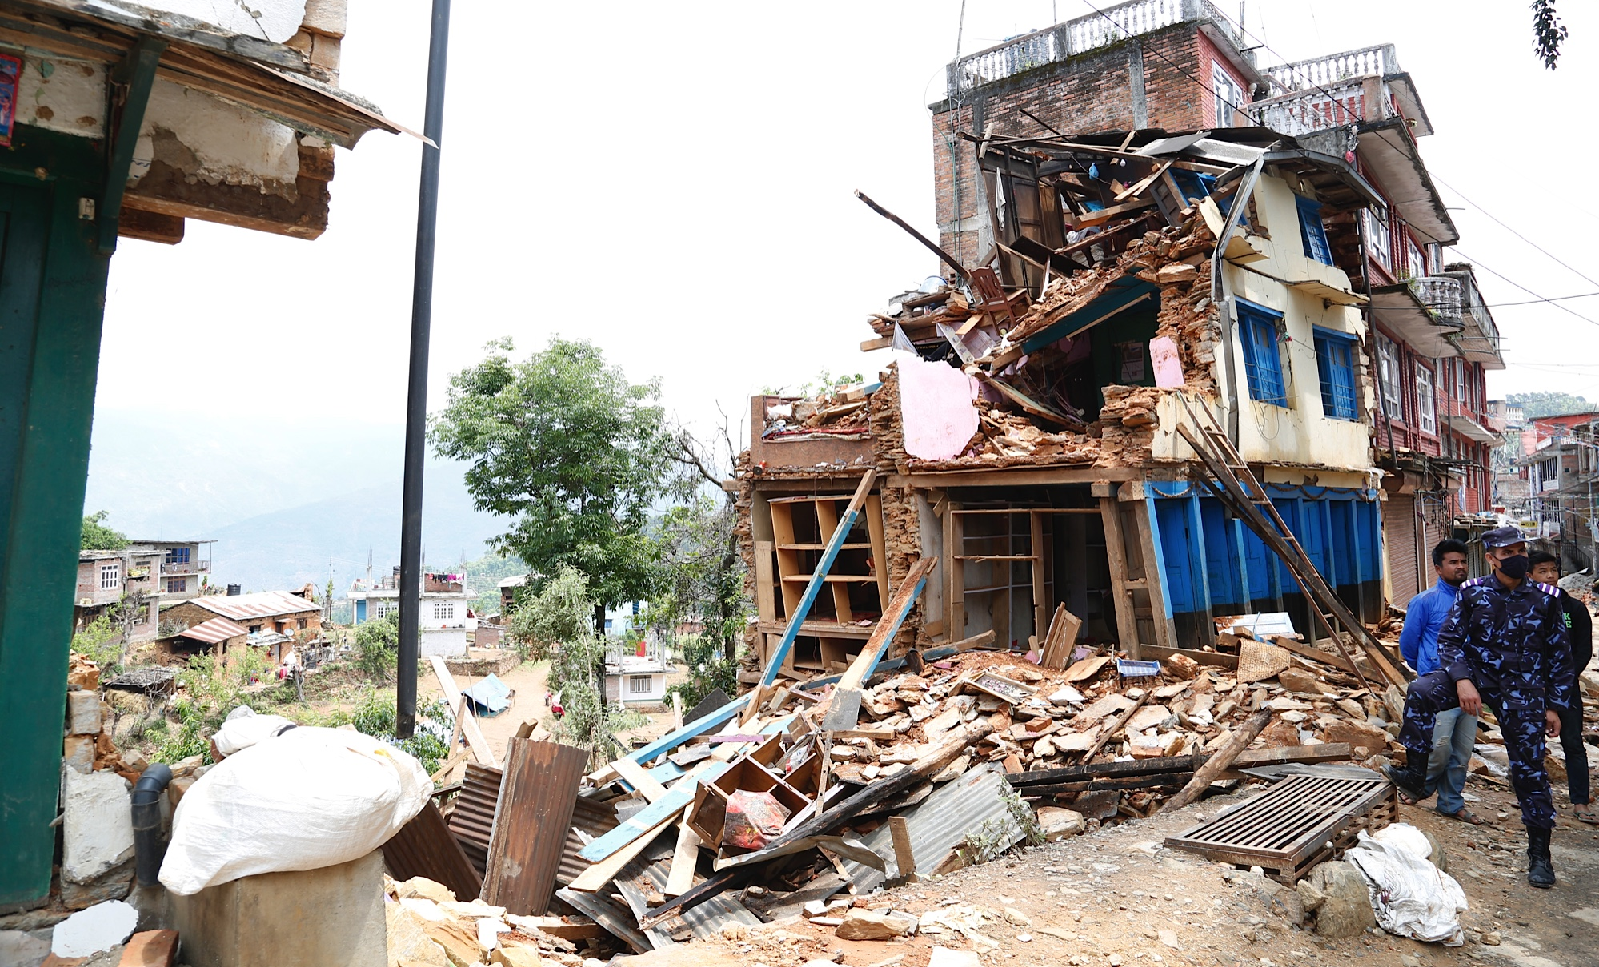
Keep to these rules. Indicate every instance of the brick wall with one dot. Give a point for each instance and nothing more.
(1089, 93)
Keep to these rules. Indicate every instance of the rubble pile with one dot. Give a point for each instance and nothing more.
(428, 925)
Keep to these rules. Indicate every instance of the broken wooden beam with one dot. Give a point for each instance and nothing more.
(1236, 743)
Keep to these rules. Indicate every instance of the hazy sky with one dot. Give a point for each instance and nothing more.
(673, 182)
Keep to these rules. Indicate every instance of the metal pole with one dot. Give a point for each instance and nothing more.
(416, 405)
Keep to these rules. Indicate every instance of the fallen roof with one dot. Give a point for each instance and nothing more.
(261, 604)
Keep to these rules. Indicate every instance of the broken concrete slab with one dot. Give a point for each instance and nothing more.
(90, 931)
(97, 828)
(83, 712)
(871, 925)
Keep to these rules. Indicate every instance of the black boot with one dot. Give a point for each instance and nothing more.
(1408, 783)
(1540, 869)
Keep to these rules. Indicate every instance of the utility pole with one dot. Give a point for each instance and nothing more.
(416, 406)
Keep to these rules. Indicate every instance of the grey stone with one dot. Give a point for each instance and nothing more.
(114, 884)
(83, 712)
(1335, 894)
(23, 949)
(97, 828)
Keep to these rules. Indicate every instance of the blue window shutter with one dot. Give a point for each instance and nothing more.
(1257, 332)
(1335, 366)
(1311, 231)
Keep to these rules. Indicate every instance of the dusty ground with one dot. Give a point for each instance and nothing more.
(1100, 899)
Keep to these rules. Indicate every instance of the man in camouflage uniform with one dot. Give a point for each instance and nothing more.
(1504, 644)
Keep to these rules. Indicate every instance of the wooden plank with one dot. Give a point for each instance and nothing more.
(1121, 594)
(1040, 606)
(597, 876)
(693, 730)
(1154, 573)
(1236, 743)
(684, 859)
(467, 721)
(955, 570)
(874, 529)
(845, 707)
(797, 615)
(765, 586)
(1248, 759)
(904, 856)
(1215, 659)
(1314, 654)
(881, 342)
(1062, 636)
(651, 817)
(537, 796)
(1118, 725)
(639, 779)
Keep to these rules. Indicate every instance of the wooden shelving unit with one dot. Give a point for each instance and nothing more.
(856, 587)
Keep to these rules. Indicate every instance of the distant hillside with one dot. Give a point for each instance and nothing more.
(289, 547)
(280, 499)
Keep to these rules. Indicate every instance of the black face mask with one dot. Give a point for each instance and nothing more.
(1515, 566)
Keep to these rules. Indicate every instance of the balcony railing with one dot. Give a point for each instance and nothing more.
(187, 567)
(1328, 106)
(1442, 295)
(1100, 29)
(1378, 61)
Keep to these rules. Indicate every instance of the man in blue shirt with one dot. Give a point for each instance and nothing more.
(1455, 733)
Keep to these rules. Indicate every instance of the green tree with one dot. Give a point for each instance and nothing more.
(571, 452)
(1547, 31)
(98, 537)
(702, 574)
(101, 642)
(377, 647)
(558, 613)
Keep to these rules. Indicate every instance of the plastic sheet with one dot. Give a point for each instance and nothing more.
(1410, 896)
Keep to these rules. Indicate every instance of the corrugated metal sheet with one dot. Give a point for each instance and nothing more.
(215, 630)
(607, 913)
(704, 920)
(424, 847)
(942, 822)
(472, 822)
(261, 604)
(537, 798)
(589, 819)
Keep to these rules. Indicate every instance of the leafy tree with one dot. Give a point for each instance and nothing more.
(377, 647)
(101, 642)
(1548, 32)
(1539, 405)
(708, 670)
(571, 452)
(554, 615)
(98, 537)
(702, 574)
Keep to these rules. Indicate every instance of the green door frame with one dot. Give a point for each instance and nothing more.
(49, 360)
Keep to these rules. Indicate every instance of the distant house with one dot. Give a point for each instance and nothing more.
(508, 588)
(183, 565)
(447, 622)
(106, 578)
(271, 620)
(636, 679)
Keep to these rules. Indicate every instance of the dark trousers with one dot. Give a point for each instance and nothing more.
(1523, 729)
(1576, 751)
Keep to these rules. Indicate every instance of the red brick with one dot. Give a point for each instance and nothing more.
(152, 948)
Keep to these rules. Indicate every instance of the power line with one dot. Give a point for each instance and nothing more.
(1169, 62)
(1495, 219)
(1557, 305)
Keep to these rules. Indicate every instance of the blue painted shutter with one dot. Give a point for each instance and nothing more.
(1311, 230)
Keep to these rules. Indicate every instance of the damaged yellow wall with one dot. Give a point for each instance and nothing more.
(1298, 433)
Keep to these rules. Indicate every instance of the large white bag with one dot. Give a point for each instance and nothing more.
(304, 800)
(1410, 896)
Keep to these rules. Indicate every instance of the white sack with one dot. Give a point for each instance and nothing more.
(305, 800)
(1411, 897)
(244, 728)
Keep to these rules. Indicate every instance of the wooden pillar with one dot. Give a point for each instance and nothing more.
(1138, 493)
(1116, 556)
(52, 294)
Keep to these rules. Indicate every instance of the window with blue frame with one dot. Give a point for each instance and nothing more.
(1259, 330)
(178, 555)
(1335, 362)
(1311, 231)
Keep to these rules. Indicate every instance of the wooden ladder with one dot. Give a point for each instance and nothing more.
(1244, 494)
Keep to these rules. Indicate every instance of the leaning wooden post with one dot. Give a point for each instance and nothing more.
(1219, 763)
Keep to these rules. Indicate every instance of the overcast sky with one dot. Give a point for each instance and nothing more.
(673, 182)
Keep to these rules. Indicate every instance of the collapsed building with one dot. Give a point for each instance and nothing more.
(1026, 436)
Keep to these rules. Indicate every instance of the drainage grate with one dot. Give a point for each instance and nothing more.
(1290, 826)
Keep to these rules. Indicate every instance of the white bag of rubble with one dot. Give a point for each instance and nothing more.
(307, 799)
(1410, 896)
(244, 727)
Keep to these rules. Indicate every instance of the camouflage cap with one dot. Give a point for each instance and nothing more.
(1503, 537)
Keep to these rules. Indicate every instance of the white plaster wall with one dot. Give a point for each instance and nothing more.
(67, 96)
(274, 20)
(444, 642)
(214, 141)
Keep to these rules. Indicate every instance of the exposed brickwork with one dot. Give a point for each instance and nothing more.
(1088, 93)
